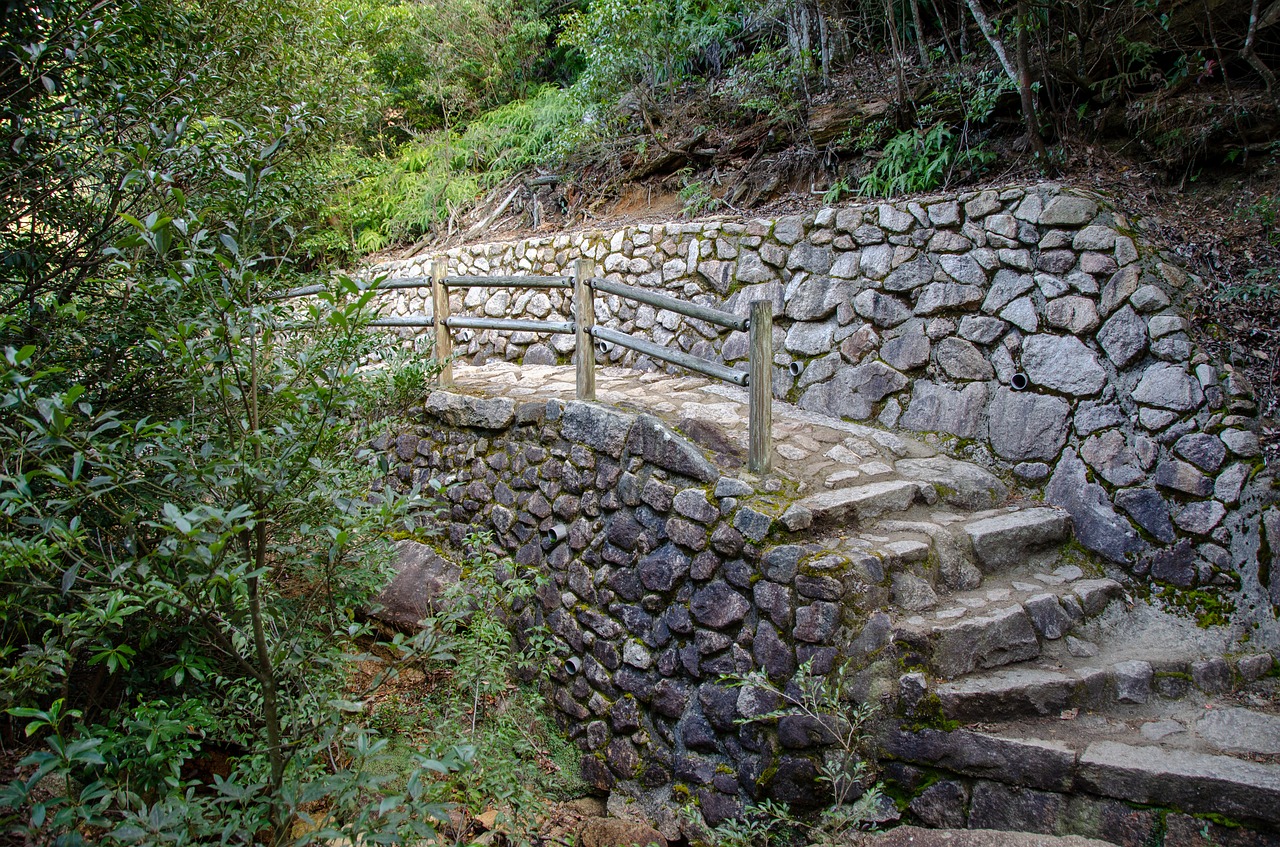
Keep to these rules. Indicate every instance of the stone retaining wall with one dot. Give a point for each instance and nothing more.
(924, 315)
(663, 577)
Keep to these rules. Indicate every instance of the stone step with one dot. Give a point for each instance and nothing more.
(1124, 767)
(948, 545)
(1006, 541)
(992, 542)
(992, 627)
(1074, 598)
(859, 504)
(963, 485)
(1197, 782)
(1052, 687)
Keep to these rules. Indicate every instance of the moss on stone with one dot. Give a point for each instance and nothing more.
(1209, 606)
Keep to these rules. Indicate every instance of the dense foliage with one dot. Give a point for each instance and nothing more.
(187, 537)
(645, 89)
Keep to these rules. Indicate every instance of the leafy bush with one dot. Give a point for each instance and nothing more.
(647, 44)
(516, 758)
(89, 87)
(215, 554)
(1261, 283)
(767, 82)
(917, 160)
(696, 197)
(443, 62)
(398, 199)
(397, 384)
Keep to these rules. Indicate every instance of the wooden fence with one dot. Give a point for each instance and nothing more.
(757, 379)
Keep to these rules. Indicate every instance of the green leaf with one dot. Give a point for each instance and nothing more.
(69, 577)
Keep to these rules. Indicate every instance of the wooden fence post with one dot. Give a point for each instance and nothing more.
(584, 303)
(760, 388)
(440, 314)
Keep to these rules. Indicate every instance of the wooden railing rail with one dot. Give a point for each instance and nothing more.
(758, 378)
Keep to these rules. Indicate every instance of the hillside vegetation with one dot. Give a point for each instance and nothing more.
(571, 115)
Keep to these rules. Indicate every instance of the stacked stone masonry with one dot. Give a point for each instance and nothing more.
(668, 569)
(942, 579)
(923, 316)
(663, 578)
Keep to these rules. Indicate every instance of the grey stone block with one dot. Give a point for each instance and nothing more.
(1048, 616)
(1133, 681)
(1096, 523)
(596, 426)
(959, 359)
(998, 806)
(1168, 387)
(1045, 765)
(1062, 363)
(1005, 288)
(1010, 693)
(1123, 337)
(480, 412)
(1068, 210)
(942, 805)
(986, 641)
(1195, 782)
(961, 484)
(1003, 541)
(1149, 510)
(817, 622)
(936, 408)
(1212, 676)
(1023, 425)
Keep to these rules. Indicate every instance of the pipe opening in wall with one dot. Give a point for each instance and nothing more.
(795, 368)
(604, 348)
(554, 536)
(1019, 382)
(572, 665)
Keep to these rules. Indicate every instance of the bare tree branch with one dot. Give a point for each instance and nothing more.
(989, 32)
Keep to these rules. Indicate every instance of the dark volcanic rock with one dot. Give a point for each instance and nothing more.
(718, 606)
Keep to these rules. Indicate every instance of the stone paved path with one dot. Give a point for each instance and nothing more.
(816, 451)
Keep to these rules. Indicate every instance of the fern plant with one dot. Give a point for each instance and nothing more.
(400, 198)
(696, 198)
(920, 160)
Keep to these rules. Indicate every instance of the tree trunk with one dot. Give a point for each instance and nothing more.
(989, 33)
(918, 22)
(895, 39)
(1249, 52)
(1024, 88)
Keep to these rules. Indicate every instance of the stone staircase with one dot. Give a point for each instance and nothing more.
(1030, 691)
(1046, 697)
(1036, 688)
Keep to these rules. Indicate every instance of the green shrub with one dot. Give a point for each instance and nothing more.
(646, 44)
(198, 571)
(444, 62)
(918, 160)
(400, 198)
(846, 770)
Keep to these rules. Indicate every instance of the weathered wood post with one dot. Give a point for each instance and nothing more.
(584, 306)
(760, 388)
(440, 313)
